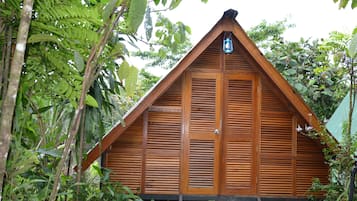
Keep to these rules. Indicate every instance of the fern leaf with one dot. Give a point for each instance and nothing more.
(36, 38)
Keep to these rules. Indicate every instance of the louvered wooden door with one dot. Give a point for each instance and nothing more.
(238, 145)
(203, 128)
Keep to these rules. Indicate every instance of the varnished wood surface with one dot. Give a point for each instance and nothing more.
(257, 151)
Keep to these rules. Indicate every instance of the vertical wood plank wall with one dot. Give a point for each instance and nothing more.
(260, 152)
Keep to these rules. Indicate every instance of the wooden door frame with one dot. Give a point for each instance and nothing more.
(256, 129)
(187, 94)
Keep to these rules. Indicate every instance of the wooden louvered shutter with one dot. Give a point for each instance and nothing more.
(276, 172)
(310, 164)
(239, 169)
(210, 57)
(162, 169)
(124, 158)
(202, 145)
(238, 59)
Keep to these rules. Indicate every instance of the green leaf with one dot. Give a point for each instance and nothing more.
(97, 93)
(96, 169)
(352, 48)
(123, 71)
(327, 92)
(128, 75)
(119, 50)
(91, 101)
(110, 191)
(109, 8)
(354, 31)
(182, 32)
(43, 109)
(62, 87)
(159, 34)
(136, 14)
(299, 87)
(51, 152)
(174, 4)
(164, 2)
(162, 53)
(131, 80)
(188, 29)
(177, 37)
(127, 189)
(148, 24)
(343, 3)
(36, 38)
(79, 61)
(354, 4)
(290, 71)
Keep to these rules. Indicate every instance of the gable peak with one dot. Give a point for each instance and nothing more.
(230, 13)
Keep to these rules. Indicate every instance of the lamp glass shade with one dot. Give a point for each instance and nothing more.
(228, 45)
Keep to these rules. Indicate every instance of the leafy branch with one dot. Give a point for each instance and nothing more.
(88, 79)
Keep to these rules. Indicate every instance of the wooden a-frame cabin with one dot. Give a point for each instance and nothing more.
(217, 127)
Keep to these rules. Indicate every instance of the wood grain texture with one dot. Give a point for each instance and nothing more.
(237, 61)
(163, 144)
(276, 176)
(202, 143)
(125, 157)
(239, 135)
(310, 164)
(210, 58)
(172, 97)
(284, 87)
(257, 152)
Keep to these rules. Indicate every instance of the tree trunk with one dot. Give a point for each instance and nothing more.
(80, 154)
(351, 103)
(2, 65)
(9, 100)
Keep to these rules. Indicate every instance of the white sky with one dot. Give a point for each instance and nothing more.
(313, 18)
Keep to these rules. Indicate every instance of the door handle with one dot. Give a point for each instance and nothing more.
(216, 131)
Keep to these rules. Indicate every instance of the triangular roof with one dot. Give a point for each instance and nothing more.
(336, 123)
(225, 24)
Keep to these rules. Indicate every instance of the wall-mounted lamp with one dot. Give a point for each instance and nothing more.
(299, 129)
(307, 127)
(227, 43)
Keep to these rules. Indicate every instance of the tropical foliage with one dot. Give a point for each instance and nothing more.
(322, 71)
(75, 77)
(344, 3)
(315, 68)
(341, 159)
(166, 48)
(76, 83)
